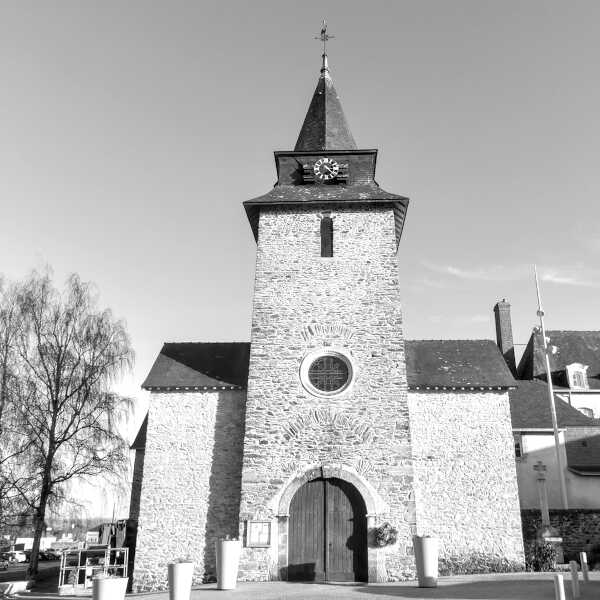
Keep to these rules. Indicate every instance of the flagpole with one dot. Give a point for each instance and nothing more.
(559, 458)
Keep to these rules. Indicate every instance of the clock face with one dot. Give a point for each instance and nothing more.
(326, 168)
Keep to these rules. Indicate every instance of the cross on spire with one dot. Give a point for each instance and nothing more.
(324, 37)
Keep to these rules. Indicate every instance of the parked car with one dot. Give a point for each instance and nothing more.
(17, 556)
(53, 554)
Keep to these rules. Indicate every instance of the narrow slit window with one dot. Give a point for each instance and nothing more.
(327, 237)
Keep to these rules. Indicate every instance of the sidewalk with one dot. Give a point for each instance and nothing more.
(518, 586)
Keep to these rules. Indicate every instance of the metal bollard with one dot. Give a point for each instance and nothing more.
(559, 587)
(584, 566)
(574, 578)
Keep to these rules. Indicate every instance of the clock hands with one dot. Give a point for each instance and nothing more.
(326, 169)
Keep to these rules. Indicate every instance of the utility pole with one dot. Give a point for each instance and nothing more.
(559, 459)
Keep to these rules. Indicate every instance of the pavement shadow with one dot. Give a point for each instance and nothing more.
(537, 589)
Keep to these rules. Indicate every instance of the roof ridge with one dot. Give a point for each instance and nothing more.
(221, 342)
(573, 331)
(450, 340)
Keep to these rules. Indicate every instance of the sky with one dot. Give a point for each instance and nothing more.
(131, 133)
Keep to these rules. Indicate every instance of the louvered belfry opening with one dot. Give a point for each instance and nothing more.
(326, 237)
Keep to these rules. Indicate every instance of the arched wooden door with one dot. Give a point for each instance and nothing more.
(327, 532)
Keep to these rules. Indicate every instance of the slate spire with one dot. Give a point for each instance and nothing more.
(325, 126)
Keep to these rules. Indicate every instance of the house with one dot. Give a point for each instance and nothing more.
(574, 364)
(534, 441)
(575, 371)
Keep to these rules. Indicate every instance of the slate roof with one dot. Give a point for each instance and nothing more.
(442, 363)
(456, 363)
(530, 409)
(200, 365)
(325, 126)
(573, 347)
(299, 194)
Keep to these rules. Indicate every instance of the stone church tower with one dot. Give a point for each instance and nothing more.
(328, 424)
(327, 409)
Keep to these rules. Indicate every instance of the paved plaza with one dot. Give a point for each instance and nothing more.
(522, 586)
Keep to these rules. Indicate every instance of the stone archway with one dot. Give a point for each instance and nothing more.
(373, 502)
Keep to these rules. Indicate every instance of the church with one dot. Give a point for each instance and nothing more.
(328, 427)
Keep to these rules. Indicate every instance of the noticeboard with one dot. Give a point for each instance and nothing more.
(258, 534)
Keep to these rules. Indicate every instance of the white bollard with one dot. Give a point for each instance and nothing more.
(559, 587)
(574, 579)
(584, 566)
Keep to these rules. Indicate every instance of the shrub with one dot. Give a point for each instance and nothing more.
(477, 563)
(540, 556)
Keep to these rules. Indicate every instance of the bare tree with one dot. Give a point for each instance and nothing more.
(14, 471)
(69, 354)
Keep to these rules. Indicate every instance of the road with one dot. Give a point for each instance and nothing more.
(17, 571)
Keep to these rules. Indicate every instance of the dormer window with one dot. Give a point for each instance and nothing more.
(577, 376)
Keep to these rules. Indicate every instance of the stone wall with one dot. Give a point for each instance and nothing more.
(305, 303)
(465, 477)
(191, 482)
(579, 528)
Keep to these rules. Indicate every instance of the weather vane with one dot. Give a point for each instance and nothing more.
(324, 37)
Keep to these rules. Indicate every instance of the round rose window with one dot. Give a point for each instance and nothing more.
(326, 372)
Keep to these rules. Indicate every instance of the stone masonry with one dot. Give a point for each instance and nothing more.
(191, 485)
(465, 477)
(431, 462)
(302, 303)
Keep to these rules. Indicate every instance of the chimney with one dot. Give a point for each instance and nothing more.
(504, 336)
